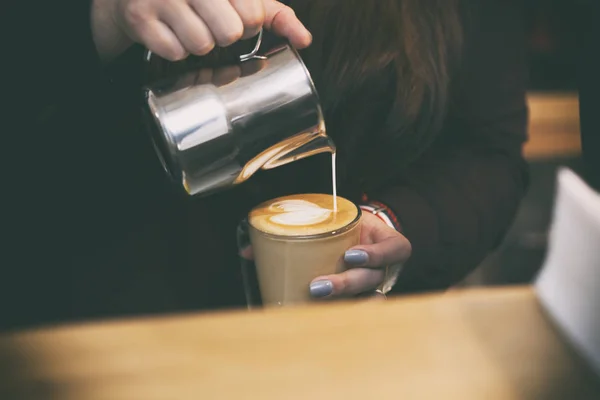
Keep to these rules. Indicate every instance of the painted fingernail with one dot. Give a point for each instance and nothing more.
(321, 288)
(356, 257)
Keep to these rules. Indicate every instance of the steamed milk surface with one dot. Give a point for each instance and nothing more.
(302, 214)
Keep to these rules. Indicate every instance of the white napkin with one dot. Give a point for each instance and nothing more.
(569, 283)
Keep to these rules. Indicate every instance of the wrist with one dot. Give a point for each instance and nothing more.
(383, 212)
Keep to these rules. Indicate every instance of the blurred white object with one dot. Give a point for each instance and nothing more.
(569, 283)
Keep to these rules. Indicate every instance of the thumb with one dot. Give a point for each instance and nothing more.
(281, 20)
(391, 250)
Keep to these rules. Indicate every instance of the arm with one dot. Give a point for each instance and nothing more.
(456, 202)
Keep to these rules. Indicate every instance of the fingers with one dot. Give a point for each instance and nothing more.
(252, 14)
(282, 21)
(221, 18)
(349, 283)
(380, 257)
(380, 245)
(191, 31)
(174, 28)
(391, 250)
(160, 39)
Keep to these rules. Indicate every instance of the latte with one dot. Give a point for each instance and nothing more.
(302, 215)
(298, 238)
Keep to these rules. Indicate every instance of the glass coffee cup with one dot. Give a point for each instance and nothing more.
(287, 242)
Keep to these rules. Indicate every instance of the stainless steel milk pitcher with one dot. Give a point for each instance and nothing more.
(210, 136)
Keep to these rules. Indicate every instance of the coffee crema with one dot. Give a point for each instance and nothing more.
(302, 215)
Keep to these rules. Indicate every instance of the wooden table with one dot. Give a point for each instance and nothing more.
(483, 344)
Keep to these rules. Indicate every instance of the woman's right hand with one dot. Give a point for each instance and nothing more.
(173, 29)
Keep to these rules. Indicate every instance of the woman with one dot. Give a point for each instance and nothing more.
(425, 100)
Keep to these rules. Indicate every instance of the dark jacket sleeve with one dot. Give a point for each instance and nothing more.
(457, 201)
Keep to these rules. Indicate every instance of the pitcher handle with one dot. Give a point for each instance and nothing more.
(244, 57)
(253, 54)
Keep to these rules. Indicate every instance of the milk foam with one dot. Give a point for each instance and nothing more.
(302, 214)
(296, 212)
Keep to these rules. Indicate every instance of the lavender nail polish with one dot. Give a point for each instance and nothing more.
(321, 288)
(356, 257)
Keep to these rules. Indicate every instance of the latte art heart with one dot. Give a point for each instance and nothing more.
(298, 212)
(302, 215)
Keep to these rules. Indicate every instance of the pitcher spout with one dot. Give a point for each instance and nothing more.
(320, 143)
(292, 149)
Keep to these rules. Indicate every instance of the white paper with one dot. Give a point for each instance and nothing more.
(569, 283)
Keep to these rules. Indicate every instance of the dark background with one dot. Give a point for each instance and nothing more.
(554, 28)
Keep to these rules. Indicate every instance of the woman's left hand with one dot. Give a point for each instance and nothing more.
(376, 261)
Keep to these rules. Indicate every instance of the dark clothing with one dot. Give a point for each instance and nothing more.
(92, 227)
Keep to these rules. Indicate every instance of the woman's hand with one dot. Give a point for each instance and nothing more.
(376, 261)
(175, 28)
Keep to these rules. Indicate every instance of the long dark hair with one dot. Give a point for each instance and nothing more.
(416, 44)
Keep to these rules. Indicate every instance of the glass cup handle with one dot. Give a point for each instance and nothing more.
(248, 269)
